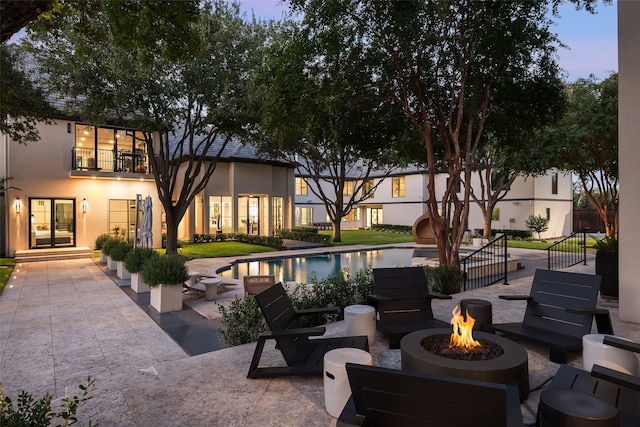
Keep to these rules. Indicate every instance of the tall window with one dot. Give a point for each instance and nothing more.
(554, 183)
(301, 187)
(457, 184)
(548, 214)
(347, 190)
(351, 216)
(495, 214)
(306, 216)
(367, 187)
(220, 214)
(109, 149)
(277, 213)
(397, 186)
(122, 218)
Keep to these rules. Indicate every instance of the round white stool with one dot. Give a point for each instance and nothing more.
(360, 320)
(595, 352)
(211, 286)
(336, 382)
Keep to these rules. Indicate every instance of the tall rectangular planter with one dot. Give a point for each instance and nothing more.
(103, 258)
(111, 264)
(166, 298)
(137, 284)
(122, 271)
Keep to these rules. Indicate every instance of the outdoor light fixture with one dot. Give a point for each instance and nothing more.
(84, 205)
(18, 205)
(68, 127)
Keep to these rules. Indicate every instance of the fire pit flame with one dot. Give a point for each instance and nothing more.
(462, 331)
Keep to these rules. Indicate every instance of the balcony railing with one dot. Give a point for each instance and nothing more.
(109, 160)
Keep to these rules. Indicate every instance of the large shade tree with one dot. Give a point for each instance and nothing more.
(585, 141)
(192, 91)
(442, 63)
(318, 112)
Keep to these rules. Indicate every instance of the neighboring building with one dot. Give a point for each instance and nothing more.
(80, 181)
(401, 199)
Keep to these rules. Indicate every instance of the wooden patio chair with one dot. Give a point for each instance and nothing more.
(303, 356)
(391, 397)
(560, 310)
(403, 302)
(253, 285)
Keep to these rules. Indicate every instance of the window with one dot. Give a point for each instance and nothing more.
(220, 214)
(367, 188)
(306, 216)
(351, 216)
(277, 213)
(548, 214)
(122, 218)
(554, 183)
(347, 190)
(109, 149)
(457, 184)
(397, 186)
(374, 216)
(301, 187)
(495, 214)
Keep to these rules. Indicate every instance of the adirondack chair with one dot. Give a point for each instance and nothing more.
(403, 302)
(253, 285)
(613, 387)
(391, 397)
(302, 355)
(560, 310)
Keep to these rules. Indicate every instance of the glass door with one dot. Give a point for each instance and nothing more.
(53, 222)
(249, 215)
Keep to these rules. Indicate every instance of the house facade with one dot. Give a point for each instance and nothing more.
(79, 181)
(401, 198)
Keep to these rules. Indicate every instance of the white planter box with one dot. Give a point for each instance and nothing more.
(122, 271)
(166, 299)
(103, 258)
(137, 284)
(111, 264)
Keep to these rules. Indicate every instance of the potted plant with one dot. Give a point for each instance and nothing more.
(98, 246)
(607, 266)
(134, 262)
(165, 276)
(106, 249)
(118, 254)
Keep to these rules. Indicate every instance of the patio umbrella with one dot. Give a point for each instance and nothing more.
(146, 233)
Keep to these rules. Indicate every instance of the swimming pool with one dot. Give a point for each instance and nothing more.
(302, 269)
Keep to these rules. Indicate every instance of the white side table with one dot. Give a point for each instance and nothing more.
(211, 285)
(360, 320)
(595, 352)
(336, 382)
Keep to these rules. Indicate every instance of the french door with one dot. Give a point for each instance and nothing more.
(53, 223)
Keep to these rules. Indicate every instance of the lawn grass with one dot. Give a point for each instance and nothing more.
(220, 249)
(368, 237)
(536, 244)
(5, 272)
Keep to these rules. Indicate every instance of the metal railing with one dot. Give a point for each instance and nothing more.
(109, 160)
(486, 265)
(569, 251)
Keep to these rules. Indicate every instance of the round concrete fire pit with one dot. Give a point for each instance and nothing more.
(512, 367)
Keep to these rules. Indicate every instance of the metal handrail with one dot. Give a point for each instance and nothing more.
(569, 251)
(109, 160)
(487, 265)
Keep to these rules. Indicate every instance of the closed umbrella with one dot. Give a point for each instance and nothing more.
(146, 233)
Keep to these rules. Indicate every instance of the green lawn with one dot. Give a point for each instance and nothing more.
(6, 267)
(220, 249)
(368, 237)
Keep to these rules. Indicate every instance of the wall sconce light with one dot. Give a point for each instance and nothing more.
(68, 127)
(18, 205)
(84, 205)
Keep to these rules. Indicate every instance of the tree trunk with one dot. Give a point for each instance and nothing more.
(486, 232)
(172, 235)
(336, 230)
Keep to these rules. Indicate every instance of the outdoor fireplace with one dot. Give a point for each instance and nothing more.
(480, 356)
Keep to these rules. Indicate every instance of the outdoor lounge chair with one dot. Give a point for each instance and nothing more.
(614, 387)
(391, 397)
(302, 355)
(253, 285)
(560, 310)
(403, 302)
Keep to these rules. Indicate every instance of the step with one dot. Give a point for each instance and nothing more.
(52, 254)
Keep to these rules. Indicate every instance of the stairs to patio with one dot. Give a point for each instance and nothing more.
(53, 254)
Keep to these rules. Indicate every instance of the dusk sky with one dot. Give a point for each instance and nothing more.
(592, 39)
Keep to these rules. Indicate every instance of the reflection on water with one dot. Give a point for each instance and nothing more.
(301, 270)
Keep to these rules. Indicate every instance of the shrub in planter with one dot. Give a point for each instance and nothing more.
(100, 241)
(242, 321)
(119, 250)
(137, 257)
(108, 244)
(444, 279)
(165, 270)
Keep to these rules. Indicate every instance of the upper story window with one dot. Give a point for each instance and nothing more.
(397, 186)
(347, 190)
(554, 183)
(457, 184)
(301, 187)
(109, 149)
(367, 187)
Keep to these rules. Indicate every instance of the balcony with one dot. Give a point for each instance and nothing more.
(108, 162)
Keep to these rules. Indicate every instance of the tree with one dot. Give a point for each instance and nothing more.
(585, 141)
(317, 113)
(15, 14)
(537, 224)
(192, 92)
(442, 63)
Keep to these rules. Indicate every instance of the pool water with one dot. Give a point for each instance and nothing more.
(303, 269)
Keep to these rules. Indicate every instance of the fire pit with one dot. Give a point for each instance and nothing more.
(492, 359)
